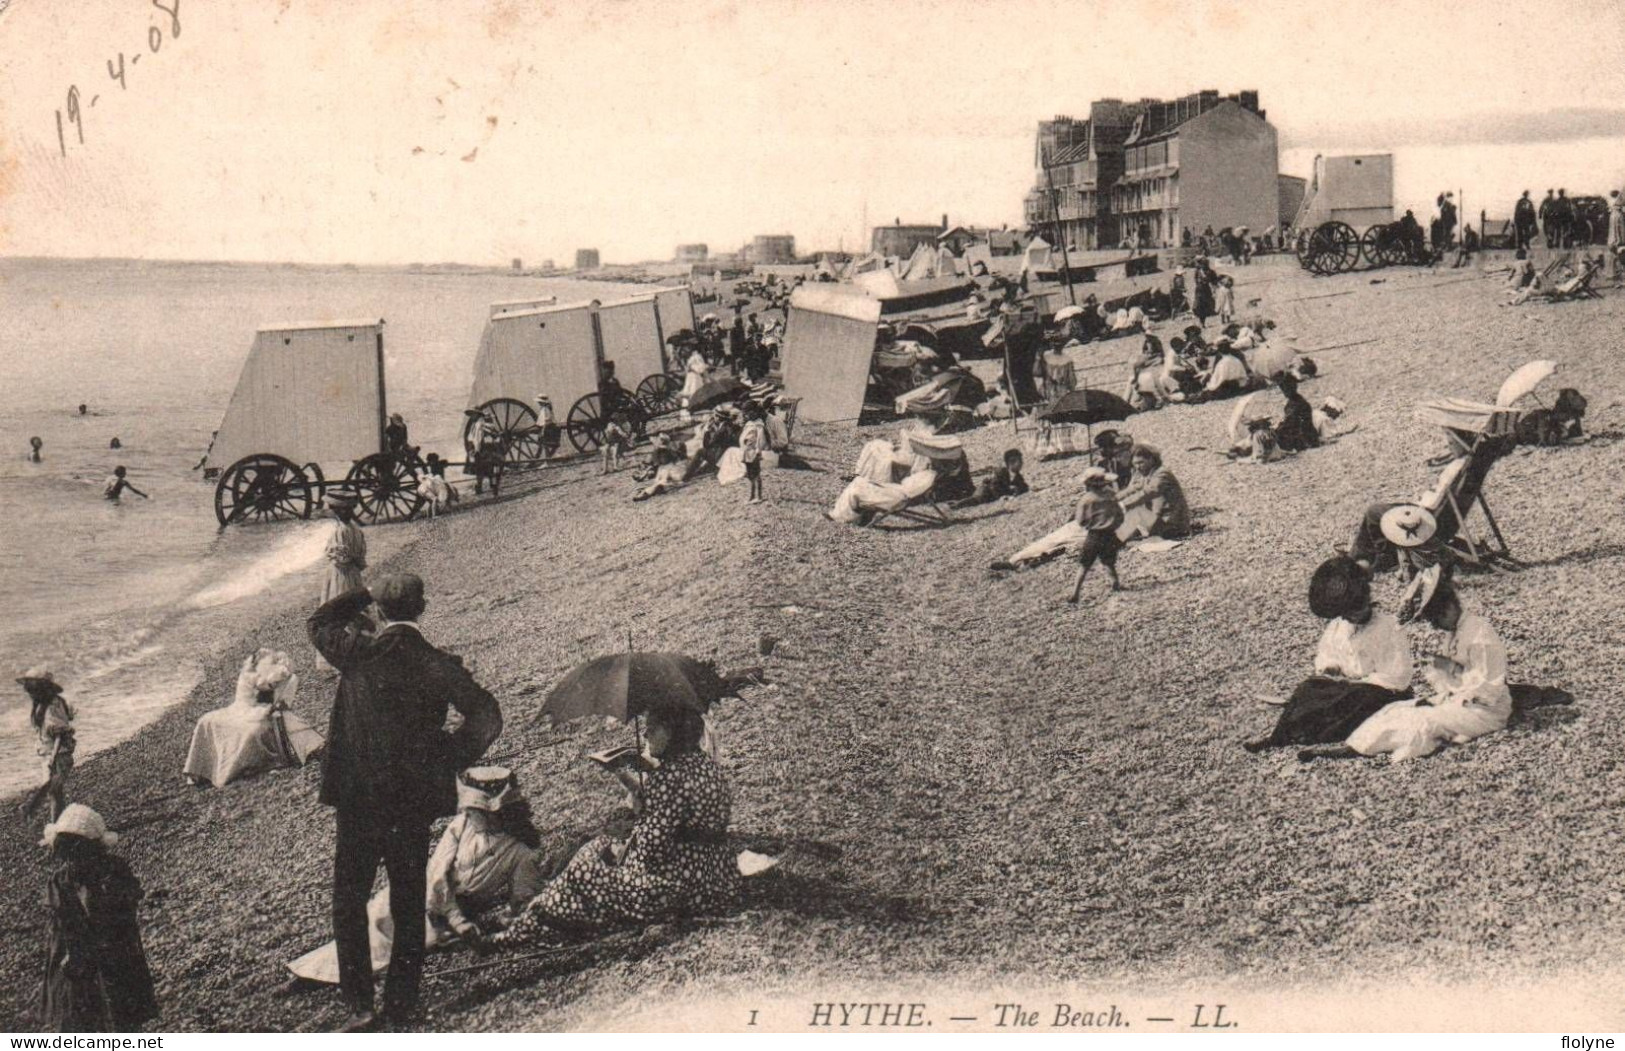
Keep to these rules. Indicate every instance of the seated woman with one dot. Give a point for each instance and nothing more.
(1228, 375)
(676, 862)
(1153, 502)
(487, 859)
(1470, 693)
(256, 731)
(1463, 474)
(1363, 663)
(1145, 389)
(668, 474)
(1296, 431)
(862, 498)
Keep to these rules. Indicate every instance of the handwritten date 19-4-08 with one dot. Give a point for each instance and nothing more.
(75, 110)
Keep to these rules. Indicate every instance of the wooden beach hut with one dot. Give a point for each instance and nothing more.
(310, 392)
(829, 341)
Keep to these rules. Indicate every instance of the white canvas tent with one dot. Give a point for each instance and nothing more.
(829, 341)
(921, 265)
(311, 392)
(1037, 256)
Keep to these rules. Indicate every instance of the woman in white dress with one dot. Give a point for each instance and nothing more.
(486, 859)
(346, 549)
(256, 731)
(1470, 693)
(694, 374)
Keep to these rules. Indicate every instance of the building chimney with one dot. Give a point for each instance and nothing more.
(1249, 100)
(945, 220)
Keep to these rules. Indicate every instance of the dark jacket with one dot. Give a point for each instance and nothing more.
(387, 754)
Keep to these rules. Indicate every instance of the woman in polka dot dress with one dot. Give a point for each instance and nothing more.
(676, 862)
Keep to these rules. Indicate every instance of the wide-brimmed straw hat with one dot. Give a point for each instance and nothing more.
(1095, 476)
(340, 501)
(1339, 587)
(1408, 525)
(79, 820)
(1333, 406)
(485, 788)
(1421, 591)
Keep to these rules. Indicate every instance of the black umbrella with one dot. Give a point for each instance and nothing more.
(627, 685)
(1087, 407)
(718, 392)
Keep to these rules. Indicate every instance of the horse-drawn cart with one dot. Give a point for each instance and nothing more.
(310, 399)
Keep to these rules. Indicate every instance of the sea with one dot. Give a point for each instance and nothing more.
(115, 597)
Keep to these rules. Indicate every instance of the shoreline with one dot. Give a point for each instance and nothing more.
(954, 770)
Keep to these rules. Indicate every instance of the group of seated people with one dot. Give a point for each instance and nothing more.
(1360, 701)
(715, 444)
(1526, 282)
(1301, 426)
(1132, 495)
(1190, 369)
(494, 880)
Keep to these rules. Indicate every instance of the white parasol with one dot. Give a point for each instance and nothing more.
(1252, 407)
(1068, 313)
(1523, 381)
(1272, 359)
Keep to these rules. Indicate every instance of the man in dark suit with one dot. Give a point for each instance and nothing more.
(390, 771)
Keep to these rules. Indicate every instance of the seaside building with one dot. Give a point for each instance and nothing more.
(901, 241)
(1155, 168)
(772, 248)
(695, 253)
(587, 259)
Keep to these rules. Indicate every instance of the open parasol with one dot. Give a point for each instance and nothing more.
(718, 392)
(1087, 406)
(1068, 313)
(1272, 359)
(626, 685)
(1523, 381)
(1254, 406)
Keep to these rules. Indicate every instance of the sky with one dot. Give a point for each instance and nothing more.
(398, 131)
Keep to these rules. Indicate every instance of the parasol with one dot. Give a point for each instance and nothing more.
(1068, 313)
(1252, 407)
(1272, 359)
(626, 685)
(1524, 381)
(1087, 406)
(717, 392)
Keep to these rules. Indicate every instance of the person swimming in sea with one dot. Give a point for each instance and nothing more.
(117, 483)
(35, 444)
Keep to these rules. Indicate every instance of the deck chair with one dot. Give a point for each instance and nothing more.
(1486, 433)
(1576, 287)
(921, 505)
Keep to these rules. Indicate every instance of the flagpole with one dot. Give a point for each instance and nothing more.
(1055, 206)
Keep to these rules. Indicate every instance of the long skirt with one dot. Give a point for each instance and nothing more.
(1408, 730)
(1326, 711)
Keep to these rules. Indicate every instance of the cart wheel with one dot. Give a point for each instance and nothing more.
(1371, 247)
(386, 489)
(516, 423)
(261, 488)
(584, 425)
(658, 393)
(313, 471)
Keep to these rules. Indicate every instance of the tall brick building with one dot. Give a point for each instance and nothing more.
(1155, 169)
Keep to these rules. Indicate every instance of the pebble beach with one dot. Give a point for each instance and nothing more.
(961, 776)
